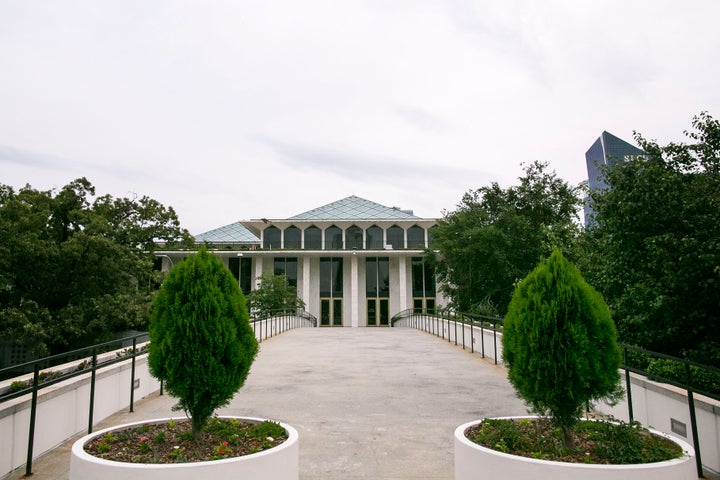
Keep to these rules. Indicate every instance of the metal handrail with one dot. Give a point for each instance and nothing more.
(36, 385)
(419, 319)
(281, 321)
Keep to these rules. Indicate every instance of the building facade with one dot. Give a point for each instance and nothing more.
(355, 263)
(606, 150)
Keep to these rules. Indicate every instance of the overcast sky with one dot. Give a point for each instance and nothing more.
(230, 110)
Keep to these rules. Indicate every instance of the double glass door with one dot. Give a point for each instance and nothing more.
(331, 312)
(378, 312)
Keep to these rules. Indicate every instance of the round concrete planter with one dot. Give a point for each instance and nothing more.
(278, 463)
(475, 462)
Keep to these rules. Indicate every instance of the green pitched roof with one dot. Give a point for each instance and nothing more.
(354, 208)
(233, 233)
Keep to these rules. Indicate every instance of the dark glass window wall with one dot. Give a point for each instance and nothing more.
(241, 268)
(354, 238)
(333, 238)
(396, 237)
(271, 237)
(313, 238)
(287, 267)
(374, 238)
(292, 237)
(416, 237)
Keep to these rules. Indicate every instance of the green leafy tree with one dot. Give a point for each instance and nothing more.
(201, 341)
(273, 293)
(655, 244)
(497, 235)
(71, 272)
(559, 343)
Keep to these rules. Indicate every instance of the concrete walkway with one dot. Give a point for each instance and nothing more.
(367, 403)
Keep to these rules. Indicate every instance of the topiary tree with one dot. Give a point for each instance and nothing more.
(201, 341)
(559, 343)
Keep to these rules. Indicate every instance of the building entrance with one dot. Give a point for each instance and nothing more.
(378, 312)
(331, 312)
(331, 292)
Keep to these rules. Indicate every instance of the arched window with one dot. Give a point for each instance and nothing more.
(396, 237)
(416, 237)
(292, 237)
(313, 238)
(374, 238)
(333, 238)
(271, 237)
(354, 237)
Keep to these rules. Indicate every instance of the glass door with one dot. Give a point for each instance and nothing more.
(331, 312)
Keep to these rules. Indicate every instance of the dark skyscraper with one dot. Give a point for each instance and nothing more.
(607, 150)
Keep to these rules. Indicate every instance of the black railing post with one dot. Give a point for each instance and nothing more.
(628, 388)
(92, 391)
(132, 377)
(495, 342)
(472, 335)
(33, 413)
(462, 317)
(482, 338)
(693, 421)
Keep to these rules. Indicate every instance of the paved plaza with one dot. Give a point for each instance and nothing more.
(367, 403)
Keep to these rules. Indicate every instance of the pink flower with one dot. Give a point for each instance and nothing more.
(144, 439)
(222, 452)
(226, 444)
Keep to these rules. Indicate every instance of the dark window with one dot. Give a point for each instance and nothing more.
(377, 277)
(371, 282)
(423, 279)
(241, 268)
(333, 238)
(374, 237)
(416, 237)
(354, 237)
(396, 237)
(271, 237)
(246, 275)
(313, 238)
(234, 266)
(292, 237)
(287, 267)
(331, 277)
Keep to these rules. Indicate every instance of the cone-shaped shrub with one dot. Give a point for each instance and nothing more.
(559, 342)
(201, 341)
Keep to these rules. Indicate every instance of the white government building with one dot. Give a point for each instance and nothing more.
(355, 263)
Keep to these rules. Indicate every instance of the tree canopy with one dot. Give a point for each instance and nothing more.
(497, 235)
(273, 293)
(654, 244)
(73, 270)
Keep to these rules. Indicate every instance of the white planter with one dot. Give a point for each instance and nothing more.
(277, 463)
(475, 462)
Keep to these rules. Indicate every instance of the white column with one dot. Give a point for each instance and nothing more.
(258, 272)
(306, 282)
(402, 280)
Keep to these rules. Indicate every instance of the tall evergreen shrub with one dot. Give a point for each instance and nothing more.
(559, 343)
(201, 341)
